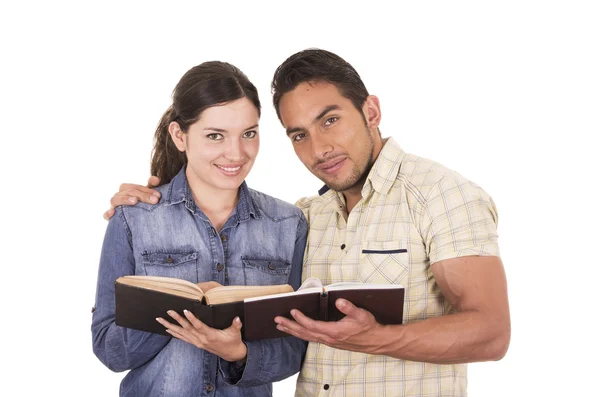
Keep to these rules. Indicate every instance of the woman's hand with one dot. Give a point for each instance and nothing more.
(226, 343)
(207, 285)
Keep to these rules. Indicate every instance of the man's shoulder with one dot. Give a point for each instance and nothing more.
(422, 175)
(306, 202)
(313, 204)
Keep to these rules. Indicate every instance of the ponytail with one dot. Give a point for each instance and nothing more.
(167, 160)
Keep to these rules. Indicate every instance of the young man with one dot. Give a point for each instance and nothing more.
(385, 216)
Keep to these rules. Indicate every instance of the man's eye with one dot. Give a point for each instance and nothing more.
(331, 120)
(299, 137)
(249, 134)
(215, 137)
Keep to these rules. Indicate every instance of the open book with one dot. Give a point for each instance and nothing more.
(317, 301)
(214, 296)
(140, 299)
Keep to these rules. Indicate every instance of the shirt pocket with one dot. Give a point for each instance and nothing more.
(171, 264)
(384, 262)
(263, 271)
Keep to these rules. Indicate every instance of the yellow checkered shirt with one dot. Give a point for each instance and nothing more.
(408, 203)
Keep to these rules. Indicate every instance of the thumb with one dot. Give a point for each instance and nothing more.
(236, 325)
(153, 181)
(346, 307)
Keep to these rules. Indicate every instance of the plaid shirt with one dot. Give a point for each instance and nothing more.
(413, 213)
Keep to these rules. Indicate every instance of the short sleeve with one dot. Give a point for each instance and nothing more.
(460, 219)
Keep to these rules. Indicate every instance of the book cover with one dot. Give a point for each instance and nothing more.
(137, 307)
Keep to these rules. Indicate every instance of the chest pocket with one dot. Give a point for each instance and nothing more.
(171, 264)
(261, 271)
(384, 262)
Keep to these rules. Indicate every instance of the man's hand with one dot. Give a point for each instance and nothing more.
(129, 194)
(226, 343)
(357, 331)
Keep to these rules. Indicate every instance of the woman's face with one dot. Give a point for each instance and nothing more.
(221, 146)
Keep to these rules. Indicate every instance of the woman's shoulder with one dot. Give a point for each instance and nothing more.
(273, 207)
(142, 208)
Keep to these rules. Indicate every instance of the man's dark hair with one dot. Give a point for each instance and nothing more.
(315, 65)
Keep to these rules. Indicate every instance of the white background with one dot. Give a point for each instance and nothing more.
(507, 93)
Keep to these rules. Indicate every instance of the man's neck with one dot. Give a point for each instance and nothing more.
(353, 196)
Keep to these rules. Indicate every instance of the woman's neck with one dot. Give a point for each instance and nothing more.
(217, 204)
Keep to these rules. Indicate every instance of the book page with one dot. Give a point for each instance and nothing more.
(354, 285)
(307, 290)
(164, 284)
(311, 282)
(234, 293)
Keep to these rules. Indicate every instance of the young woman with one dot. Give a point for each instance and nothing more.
(208, 226)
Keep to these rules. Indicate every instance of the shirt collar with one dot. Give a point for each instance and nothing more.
(384, 172)
(179, 191)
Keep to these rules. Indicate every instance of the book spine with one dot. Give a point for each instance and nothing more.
(324, 307)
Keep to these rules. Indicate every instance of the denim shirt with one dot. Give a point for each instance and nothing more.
(261, 243)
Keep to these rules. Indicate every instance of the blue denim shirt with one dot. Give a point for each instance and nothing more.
(262, 230)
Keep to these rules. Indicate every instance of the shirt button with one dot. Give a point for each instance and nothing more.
(220, 267)
(272, 266)
(326, 387)
(209, 387)
(223, 238)
(343, 246)
(169, 259)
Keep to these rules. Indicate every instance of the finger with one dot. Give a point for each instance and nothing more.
(130, 194)
(292, 325)
(178, 335)
(108, 214)
(322, 329)
(294, 329)
(181, 320)
(153, 181)
(236, 326)
(352, 312)
(168, 325)
(199, 325)
(347, 307)
(305, 321)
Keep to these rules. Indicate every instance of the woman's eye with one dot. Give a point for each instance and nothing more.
(249, 134)
(215, 137)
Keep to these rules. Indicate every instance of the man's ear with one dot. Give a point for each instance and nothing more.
(372, 111)
(177, 135)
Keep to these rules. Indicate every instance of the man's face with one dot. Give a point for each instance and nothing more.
(330, 136)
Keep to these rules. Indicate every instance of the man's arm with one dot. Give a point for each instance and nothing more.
(479, 331)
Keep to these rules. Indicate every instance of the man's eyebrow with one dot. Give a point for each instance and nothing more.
(326, 110)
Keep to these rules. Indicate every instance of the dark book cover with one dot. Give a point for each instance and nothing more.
(385, 304)
(260, 314)
(138, 308)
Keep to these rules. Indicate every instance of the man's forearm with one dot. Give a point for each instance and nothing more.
(463, 337)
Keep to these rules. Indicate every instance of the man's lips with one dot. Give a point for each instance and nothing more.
(331, 166)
